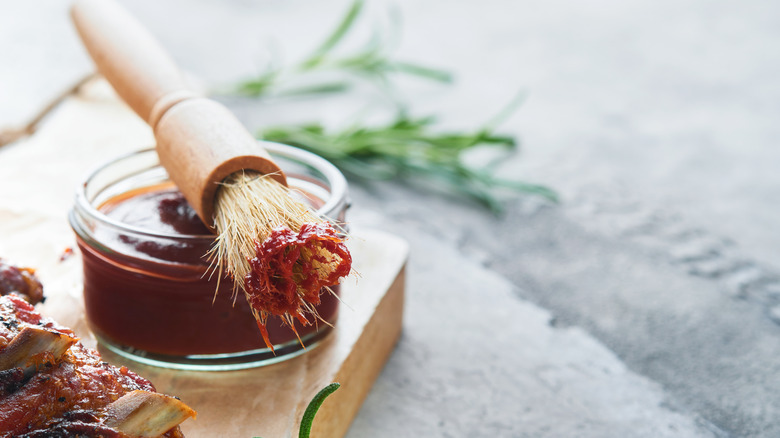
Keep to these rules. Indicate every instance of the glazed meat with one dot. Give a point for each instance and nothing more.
(53, 386)
(21, 281)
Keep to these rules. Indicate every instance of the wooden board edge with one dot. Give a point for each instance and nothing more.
(365, 362)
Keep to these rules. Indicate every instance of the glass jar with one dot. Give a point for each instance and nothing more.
(149, 295)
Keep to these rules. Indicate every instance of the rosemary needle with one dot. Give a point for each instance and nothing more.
(311, 410)
(372, 62)
(409, 147)
(314, 406)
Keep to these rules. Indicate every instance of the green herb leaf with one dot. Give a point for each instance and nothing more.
(258, 86)
(335, 37)
(422, 71)
(372, 63)
(314, 406)
(408, 147)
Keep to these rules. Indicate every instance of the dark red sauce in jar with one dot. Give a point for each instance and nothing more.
(155, 295)
(149, 292)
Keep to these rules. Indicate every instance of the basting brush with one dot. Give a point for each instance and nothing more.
(276, 250)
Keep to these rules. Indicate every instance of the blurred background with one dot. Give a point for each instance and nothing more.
(645, 302)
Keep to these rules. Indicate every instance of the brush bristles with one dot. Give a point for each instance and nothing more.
(248, 207)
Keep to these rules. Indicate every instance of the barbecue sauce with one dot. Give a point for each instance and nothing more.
(158, 295)
(290, 270)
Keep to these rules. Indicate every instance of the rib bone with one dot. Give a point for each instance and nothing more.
(33, 347)
(146, 414)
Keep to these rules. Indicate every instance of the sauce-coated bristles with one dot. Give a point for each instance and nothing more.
(277, 251)
(247, 208)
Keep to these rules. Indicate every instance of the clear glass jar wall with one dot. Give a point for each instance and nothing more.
(149, 294)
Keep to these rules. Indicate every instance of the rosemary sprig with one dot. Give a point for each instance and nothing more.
(405, 148)
(408, 147)
(311, 410)
(314, 406)
(372, 62)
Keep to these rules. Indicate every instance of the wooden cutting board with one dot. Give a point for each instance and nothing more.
(269, 401)
(39, 176)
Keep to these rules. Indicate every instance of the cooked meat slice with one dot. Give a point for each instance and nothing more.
(11, 380)
(16, 314)
(79, 381)
(34, 348)
(21, 281)
(76, 428)
(44, 402)
(143, 413)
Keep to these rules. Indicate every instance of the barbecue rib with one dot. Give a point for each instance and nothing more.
(52, 386)
(21, 281)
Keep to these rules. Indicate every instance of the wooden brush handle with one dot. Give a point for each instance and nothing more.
(199, 141)
(129, 57)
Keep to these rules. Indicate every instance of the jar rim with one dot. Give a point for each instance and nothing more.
(333, 176)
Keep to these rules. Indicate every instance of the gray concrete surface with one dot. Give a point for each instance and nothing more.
(645, 304)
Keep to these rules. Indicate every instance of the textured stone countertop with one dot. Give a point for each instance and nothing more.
(645, 304)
